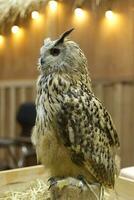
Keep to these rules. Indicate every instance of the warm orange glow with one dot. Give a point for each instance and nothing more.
(112, 19)
(18, 34)
(15, 29)
(53, 5)
(38, 23)
(1, 40)
(111, 25)
(35, 15)
(80, 16)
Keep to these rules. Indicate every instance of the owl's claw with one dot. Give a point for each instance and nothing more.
(91, 184)
(64, 182)
(81, 178)
(85, 182)
(52, 181)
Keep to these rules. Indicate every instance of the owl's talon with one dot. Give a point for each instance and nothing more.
(52, 181)
(74, 182)
(64, 182)
(83, 180)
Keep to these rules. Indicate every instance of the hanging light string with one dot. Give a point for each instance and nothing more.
(53, 5)
(35, 15)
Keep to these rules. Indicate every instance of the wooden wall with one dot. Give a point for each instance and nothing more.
(109, 49)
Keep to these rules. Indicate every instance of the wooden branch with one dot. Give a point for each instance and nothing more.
(73, 191)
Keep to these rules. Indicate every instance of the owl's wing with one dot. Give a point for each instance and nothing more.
(88, 132)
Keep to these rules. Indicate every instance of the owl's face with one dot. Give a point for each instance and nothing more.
(60, 54)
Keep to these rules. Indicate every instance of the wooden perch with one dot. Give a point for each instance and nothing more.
(72, 190)
(31, 183)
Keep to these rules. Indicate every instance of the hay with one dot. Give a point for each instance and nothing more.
(12, 10)
(38, 190)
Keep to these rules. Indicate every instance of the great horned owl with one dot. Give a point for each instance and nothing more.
(74, 134)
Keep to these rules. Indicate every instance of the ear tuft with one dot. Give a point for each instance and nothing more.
(63, 36)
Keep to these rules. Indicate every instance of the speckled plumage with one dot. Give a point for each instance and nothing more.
(73, 134)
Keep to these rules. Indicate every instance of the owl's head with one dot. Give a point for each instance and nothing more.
(61, 55)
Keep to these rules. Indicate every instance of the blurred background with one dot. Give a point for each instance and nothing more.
(104, 30)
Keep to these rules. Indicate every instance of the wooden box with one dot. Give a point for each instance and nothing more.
(124, 186)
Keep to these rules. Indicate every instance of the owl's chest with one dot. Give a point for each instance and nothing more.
(50, 96)
(46, 107)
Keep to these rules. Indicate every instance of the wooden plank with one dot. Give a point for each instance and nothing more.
(2, 118)
(20, 174)
(34, 92)
(12, 111)
(127, 128)
(22, 91)
(17, 83)
(125, 188)
(2, 111)
(117, 107)
(108, 91)
(98, 89)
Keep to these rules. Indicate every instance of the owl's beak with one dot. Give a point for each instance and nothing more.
(62, 37)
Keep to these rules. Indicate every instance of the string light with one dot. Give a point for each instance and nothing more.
(17, 34)
(53, 5)
(80, 15)
(111, 19)
(35, 15)
(109, 14)
(79, 12)
(15, 29)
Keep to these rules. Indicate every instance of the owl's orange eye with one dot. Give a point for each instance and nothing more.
(54, 51)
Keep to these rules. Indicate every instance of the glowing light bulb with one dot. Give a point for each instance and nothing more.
(17, 33)
(35, 15)
(1, 39)
(53, 5)
(109, 14)
(79, 12)
(15, 29)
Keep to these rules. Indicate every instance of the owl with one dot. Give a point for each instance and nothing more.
(73, 134)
